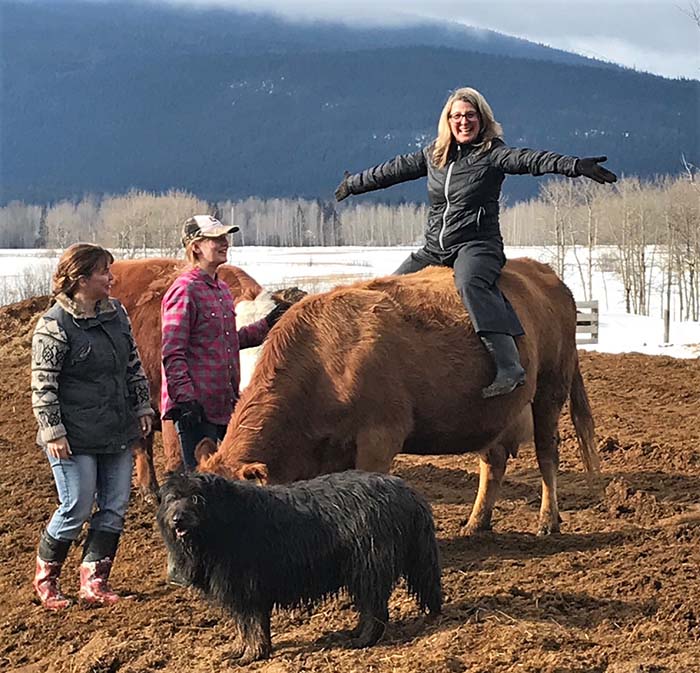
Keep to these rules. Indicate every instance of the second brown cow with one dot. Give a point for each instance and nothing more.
(140, 284)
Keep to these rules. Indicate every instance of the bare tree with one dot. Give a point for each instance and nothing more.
(139, 221)
(19, 225)
(693, 11)
(683, 205)
(558, 195)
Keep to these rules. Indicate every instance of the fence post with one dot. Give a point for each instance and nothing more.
(587, 322)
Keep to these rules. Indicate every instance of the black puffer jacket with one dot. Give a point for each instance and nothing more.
(464, 195)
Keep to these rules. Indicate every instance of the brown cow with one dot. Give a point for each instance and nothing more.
(140, 284)
(352, 377)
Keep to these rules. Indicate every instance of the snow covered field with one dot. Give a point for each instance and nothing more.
(318, 269)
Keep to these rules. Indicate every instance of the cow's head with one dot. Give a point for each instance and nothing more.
(288, 295)
(256, 472)
(208, 460)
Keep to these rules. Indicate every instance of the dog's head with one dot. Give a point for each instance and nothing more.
(182, 510)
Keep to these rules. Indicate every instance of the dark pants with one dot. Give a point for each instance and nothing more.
(477, 266)
(192, 435)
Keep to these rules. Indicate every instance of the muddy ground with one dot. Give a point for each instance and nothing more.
(617, 592)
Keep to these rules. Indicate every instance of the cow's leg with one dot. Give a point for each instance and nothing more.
(546, 409)
(492, 467)
(171, 447)
(376, 447)
(145, 469)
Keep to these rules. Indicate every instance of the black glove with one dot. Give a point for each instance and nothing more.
(589, 167)
(276, 313)
(187, 414)
(343, 189)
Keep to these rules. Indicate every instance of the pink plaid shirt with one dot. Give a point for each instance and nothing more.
(201, 345)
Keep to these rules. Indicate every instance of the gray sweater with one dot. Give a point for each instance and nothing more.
(87, 380)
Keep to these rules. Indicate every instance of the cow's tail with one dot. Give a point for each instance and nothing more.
(582, 417)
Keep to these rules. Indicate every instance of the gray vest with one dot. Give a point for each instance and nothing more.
(96, 409)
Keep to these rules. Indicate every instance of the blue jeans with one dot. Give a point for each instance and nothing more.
(84, 480)
(192, 435)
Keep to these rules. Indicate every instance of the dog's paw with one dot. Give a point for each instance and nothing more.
(237, 649)
(251, 654)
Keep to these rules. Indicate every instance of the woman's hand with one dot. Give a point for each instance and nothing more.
(276, 313)
(343, 189)
(58, 448)
(146, 423)
(589, 167)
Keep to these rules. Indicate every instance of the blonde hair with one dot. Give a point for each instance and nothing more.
(190, 254)
(490, 128)
(80, 260)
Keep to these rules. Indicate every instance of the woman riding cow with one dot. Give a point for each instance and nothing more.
(466, 165)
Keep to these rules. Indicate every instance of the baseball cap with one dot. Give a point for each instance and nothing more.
(204, 226)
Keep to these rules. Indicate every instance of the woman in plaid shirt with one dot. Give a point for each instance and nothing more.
(200, 342)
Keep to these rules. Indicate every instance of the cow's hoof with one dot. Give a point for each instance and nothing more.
(476, 528)
(547, 529)
(433, 617)
(149, 495)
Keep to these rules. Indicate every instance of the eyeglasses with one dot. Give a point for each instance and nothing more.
(469, 116)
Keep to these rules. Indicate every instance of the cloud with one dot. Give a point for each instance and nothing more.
(669, 63)
(653, 35)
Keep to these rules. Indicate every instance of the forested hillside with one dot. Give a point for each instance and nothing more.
(101, 98)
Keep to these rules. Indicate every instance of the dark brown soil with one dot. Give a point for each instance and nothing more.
(617, 592)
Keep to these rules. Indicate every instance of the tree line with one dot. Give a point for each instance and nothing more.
(646, 224)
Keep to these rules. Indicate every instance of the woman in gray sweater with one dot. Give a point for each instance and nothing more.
(91, 400)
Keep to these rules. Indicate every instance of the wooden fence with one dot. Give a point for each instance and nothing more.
(587, 322)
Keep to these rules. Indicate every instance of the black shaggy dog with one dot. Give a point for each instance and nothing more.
(254, 548)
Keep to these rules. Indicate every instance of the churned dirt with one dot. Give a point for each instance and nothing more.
(618, 591)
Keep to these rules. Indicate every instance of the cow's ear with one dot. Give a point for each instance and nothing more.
(256, 472)
(204, 449)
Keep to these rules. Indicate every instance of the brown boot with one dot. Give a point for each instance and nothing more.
(94, 584)
(46, 585)
(49, 561)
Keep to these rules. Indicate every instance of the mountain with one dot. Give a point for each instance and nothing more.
(102, 97)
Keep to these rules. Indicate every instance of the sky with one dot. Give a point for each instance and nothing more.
(656, 36)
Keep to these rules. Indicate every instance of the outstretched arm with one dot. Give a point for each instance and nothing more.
(520, 161)
(402, 168)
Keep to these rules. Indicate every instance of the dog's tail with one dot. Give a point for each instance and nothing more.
(422, 571)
